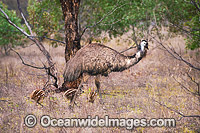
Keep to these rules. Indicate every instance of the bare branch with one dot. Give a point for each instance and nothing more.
(29, 28)
(184, 30)
(26, 63)
(52, 75)
(34, 74)
(113, 22)
(176, 55)
(34, 36)
(9, 21)
(48, 69)
(191, 116)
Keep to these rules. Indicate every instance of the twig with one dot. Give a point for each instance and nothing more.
(134, 36)
(35, 36)
(46, 68)
(5, 29)
(113, 22)
(48, 39)
(49, 73)
(54, 40)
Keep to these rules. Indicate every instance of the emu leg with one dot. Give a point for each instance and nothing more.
(75, 95)
(97, 83)
(83, 80)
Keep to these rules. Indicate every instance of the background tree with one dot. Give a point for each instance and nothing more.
(70, 10)
(142, 15)
(117, 17)
(46, 19)
(7, 38)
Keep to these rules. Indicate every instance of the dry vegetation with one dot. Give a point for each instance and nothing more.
(128, 94)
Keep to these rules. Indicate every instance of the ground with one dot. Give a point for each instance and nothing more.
(143, 91)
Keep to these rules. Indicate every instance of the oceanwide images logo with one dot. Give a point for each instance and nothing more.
(30, 120)
(129, 123)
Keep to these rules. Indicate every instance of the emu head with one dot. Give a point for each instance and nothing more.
(143, 45)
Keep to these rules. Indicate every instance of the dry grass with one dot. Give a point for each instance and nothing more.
(127, 94)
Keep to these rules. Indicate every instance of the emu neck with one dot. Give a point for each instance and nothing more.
(130, 61)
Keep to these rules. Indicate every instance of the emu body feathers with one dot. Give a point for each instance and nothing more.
(97, 59)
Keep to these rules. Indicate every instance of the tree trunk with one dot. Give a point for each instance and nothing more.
(70, 10)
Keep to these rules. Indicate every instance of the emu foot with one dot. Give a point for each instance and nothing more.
(92, 96)
(71, 108)
(71, 95)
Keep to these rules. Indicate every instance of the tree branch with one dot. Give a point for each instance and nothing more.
(107, 14)
(10, 22)
(184, 30)
(54, 40)
(20, 10)
(34, 74)
(48, 69)
(36, 67)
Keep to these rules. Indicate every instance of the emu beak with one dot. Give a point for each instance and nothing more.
(147, 46)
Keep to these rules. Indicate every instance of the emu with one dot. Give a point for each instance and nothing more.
(96, 59)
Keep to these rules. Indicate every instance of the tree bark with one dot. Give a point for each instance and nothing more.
(70, 10)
